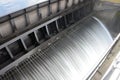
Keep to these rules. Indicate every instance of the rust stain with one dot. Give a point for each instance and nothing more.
(113, 1)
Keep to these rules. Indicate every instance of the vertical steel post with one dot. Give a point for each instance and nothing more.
(12, 23)
(49, 8)
(26, 17)
(58, 8)
(9, 52)
(66, 5)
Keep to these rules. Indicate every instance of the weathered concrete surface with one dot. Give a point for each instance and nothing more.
(104, 67)
(112, 1)
(109, 14)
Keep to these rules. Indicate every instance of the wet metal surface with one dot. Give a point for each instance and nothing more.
(109, 14)
(73, 57)
(111, 64)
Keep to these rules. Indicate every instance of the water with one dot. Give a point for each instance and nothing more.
(71, 58)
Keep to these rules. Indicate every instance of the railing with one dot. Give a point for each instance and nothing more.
(20, 45)
(19, 20)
